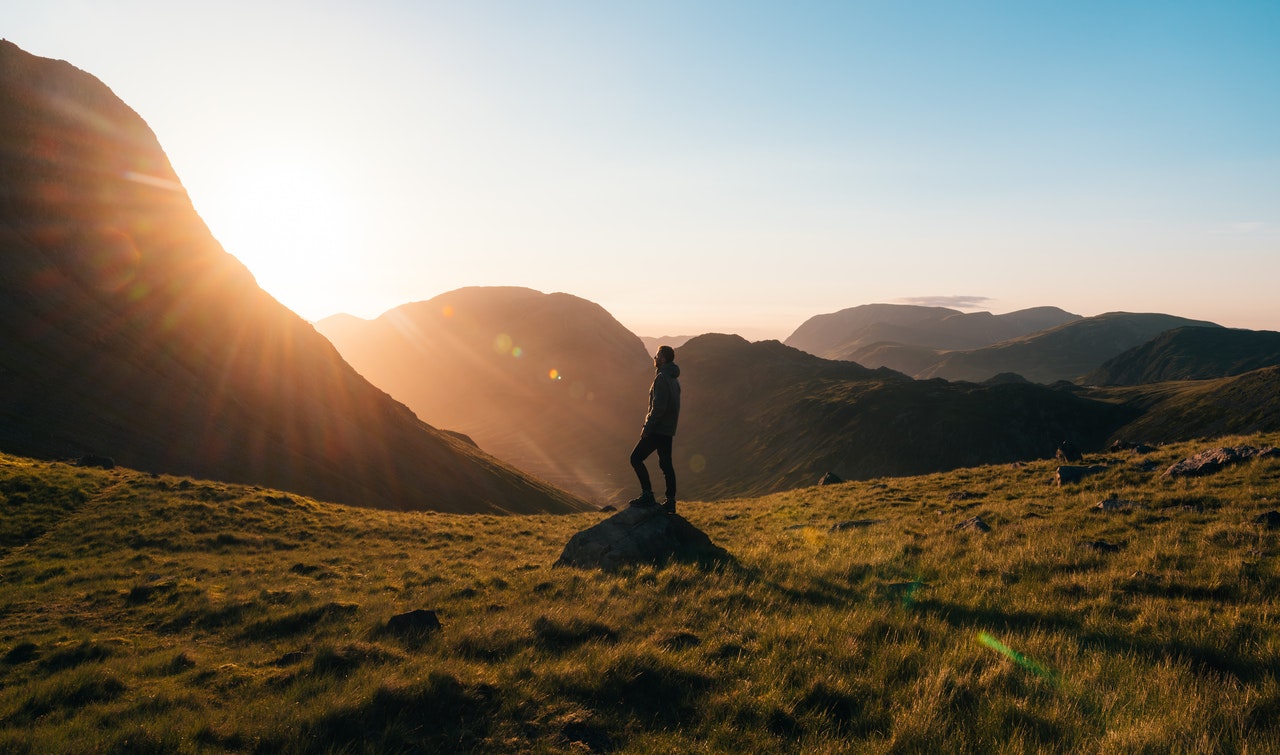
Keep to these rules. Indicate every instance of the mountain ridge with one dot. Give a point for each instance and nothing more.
(129, 332)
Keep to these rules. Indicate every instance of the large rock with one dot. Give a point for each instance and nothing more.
(637, 536)
(1208, 462)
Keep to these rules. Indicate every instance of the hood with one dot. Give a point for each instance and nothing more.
(670, 369)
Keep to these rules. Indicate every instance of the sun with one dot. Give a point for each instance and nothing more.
(290, 222)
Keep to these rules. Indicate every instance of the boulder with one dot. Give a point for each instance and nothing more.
(1069, 474)
(1215, 459)
(413, 624)
(830, 478)
(1271, 519)
(1069, 453)
(640, 535)
(974, 524)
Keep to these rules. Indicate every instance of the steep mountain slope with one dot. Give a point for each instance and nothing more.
(764, 417)
(548, 382)
(841, 335)
(126, 330)
(1063, 353)
(1190, 354)
(1186, 410)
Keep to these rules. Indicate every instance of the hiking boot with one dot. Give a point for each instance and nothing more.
(669, 505)
(646, 499)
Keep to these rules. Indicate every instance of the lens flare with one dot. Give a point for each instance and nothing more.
(1018, 658)
(446, 311)
(502, 344)
(697, 463)
(553, 373)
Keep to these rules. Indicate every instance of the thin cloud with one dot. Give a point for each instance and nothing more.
(954, 302)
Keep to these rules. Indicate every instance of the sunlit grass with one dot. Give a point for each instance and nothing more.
(158, 614)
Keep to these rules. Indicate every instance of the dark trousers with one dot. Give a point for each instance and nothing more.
(647, 445)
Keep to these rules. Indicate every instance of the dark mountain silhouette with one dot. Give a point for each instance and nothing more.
(1191, 409)
(651, 344)
(1066, 352)
(1190, 354)
(126, 330)
(548, 382)
(849, 333)
(762, 417)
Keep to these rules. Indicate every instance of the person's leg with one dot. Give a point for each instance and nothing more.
(664, 463)
(641, 452)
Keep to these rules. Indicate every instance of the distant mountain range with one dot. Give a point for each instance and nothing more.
(1043, 345)
(852, 333)
(127, 332)
(550, 383)
(1190, 353)
(762, 417)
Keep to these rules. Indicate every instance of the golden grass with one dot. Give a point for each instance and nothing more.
(158, 614)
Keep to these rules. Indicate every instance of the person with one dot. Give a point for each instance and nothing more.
(659, 429)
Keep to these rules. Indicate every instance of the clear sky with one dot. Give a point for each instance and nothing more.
(716, 166)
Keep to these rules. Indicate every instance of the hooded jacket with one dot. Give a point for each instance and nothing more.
(664, 402)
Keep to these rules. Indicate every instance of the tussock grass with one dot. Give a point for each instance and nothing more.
(156, 614)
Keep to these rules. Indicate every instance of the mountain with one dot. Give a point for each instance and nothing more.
(1190, 354)
(550, 383)
(1191, 409)
(651, 344)
(841, 335)
(126, 330)
(763, 417)
(1066, 352)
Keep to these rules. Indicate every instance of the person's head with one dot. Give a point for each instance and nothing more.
(664, 355)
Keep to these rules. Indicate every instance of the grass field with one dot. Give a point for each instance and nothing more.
(157, 614)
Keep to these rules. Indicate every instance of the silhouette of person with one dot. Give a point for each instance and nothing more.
(659, 429)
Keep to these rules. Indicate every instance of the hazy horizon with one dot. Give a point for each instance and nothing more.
(715, 166)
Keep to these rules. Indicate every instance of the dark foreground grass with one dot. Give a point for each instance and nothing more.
(154, 614)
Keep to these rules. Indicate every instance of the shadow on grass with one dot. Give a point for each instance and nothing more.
(439, 714)
(1202, 658)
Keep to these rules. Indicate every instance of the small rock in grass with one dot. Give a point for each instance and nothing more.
(975, 523)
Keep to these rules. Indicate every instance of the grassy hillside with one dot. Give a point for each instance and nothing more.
(1066, 352)
(1190, 354)
(158, 614)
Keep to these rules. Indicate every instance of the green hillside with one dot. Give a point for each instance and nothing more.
(144, 613)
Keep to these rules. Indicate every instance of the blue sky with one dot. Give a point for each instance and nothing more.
(730, 166)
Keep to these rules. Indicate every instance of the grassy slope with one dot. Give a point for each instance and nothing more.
(161, 614)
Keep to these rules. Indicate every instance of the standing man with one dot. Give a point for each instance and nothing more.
(659, 429)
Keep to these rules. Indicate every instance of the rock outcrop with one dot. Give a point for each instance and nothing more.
(1215, 459)
(637, 536)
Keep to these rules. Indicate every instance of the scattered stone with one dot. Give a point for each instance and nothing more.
(976, 524)
(680, 641)
(854, 524)
(101, 462)
(1068, 452)
(413, 624)
(1271, 519)
(830, 478)
(636, 536)
(1071, 474)
(1102, 546)
(1216, 459)
(961, 495)
(1124, 445)
(1114, 504)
